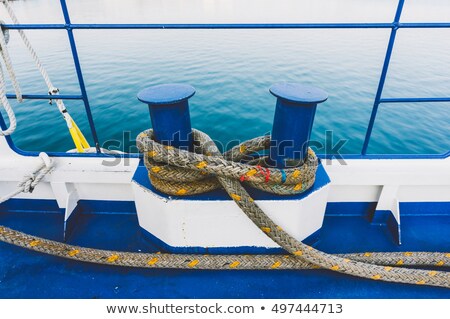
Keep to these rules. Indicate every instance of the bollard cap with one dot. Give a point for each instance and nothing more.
(166, 94)
(299, 93)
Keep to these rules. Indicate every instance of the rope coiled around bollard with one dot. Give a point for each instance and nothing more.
(180, 172)
(372, 265)
(176, 172)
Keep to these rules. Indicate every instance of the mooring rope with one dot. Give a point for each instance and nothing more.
(188, 173)
(8, 109)
(390, 260)
(30, 180)
(52, 89)
(385, 266)
(372, 265)
(178, 172)
(173, 170)
(4, 54)
(78, 138)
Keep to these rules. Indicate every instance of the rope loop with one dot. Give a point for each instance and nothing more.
(46, 159)
(27, 183)
(31, 179)
(179, 172)
(370, 265)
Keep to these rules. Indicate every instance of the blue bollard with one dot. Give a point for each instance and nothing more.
(169, 112)
(292, 125)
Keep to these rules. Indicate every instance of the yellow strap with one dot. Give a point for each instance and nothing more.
(84, 142)
(78, 138)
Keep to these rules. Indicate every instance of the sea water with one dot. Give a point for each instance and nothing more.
(233, 69)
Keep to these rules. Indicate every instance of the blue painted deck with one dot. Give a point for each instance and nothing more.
(26, 274)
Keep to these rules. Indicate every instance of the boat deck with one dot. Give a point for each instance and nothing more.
(27, 274)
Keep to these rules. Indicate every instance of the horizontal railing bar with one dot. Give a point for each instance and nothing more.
(200, 26)
(415, 99)
(47, 97)
(33, 26)
(322, 156)
(233, 26)
(424, 25)
(236, 26)
(385, 156)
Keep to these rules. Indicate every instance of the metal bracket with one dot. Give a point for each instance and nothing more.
(67, 198)
(387, 212)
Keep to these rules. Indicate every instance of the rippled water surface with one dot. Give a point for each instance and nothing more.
(233, 69)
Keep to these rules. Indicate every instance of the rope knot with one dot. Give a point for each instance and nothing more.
(31, 179)
(200, 171)
(52, 91)
(27, 183)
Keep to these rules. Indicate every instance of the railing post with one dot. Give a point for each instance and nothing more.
(293, 121)
(76, 62)
(387, 59)
(169, 112)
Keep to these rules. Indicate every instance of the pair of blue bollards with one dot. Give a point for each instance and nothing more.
(291, 130)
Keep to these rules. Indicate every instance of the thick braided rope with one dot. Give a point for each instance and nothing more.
(212, 262)
(27, 43)
(52, 90)
(186, 261)
(299, 259)
(3, 99)
(8, 64)
(176, 172)
(7, 107)
(229, 173)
